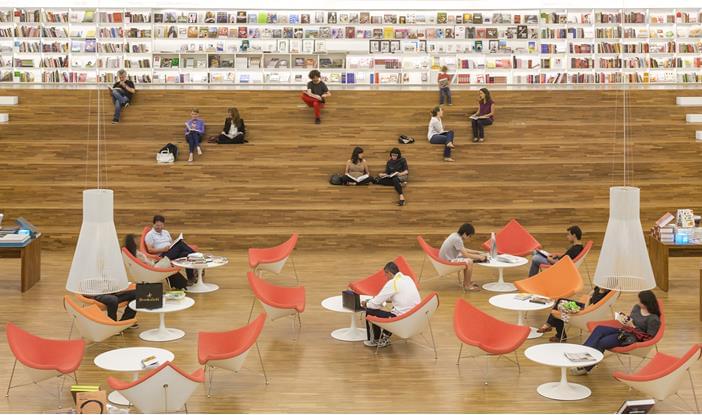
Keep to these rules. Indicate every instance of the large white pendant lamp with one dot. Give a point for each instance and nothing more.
(97, 266)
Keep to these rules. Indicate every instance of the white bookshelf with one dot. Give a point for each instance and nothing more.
(394, 47)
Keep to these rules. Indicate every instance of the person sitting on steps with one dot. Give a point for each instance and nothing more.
(316, 94)
(194, 130)
(437, 134)
(356, 167)
(485, 115)
(396, 174)
(234, 131)
(122, 92)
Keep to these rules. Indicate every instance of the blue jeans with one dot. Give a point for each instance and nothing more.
(443, 138)
(193, 138)
(603, 338)
(120, 99)
(446, 91)
(536, 261)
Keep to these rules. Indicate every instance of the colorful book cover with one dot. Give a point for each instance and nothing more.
(388, 32)
(441, 18)
(241, 16)
(364, 18)
(262, 18)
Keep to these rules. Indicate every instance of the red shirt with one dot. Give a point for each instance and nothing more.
(445, 76)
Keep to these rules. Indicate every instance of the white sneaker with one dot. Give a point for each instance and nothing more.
(384, 341)
(370, 343)
(191, 157)
(199, 151)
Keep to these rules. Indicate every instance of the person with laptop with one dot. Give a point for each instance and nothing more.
(541, 257)
(401, 291)
(453, 249)
(159, 242)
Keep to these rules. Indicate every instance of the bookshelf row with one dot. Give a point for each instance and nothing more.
(56, 45)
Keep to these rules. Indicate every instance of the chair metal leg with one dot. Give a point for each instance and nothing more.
(70, 331)
(377, 346)
(421, 271)
(253, 303)
(694, 394)
(460, 350)
(210, 375)
(299, 326)
(263, 368)
(185, 405)
(487, 369)
(60, 389)
(587, 270)
(516, 360)
(12, 375)
(292, 261)
(165, 398)
(433, 343)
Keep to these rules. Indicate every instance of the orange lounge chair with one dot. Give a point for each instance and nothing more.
(442, 266)
(578, 260)
(92, 323)
(273, 259)
(277, 301)
(514, 239)
(372, 284)
(562, 280)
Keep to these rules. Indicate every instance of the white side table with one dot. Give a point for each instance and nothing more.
(163, 333)
(211, 262)
(511, 302)
(129, 359)
(553, 355)
(347, 334)
(501, 285)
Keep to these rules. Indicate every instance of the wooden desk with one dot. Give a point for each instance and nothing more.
(31, 261)
(659, 254)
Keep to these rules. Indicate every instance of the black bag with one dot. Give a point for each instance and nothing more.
(336, 180)
(149, 295)
(171, 148)
(351, 301)
(405, 139)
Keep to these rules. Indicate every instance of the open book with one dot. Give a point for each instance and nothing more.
(580, 357)
(473, 117)
(358, 179)
(179, 238)
(621, 317)
(391, 175)
(544, 252)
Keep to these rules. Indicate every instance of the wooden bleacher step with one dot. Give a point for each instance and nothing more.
(689, 101)
(698, 135)
(693, 118)
(9, 100)
(4, 118)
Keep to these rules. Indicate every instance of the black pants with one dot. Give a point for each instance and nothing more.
(237, 139)
(391, 181)
(372, 327)
(557, 323)
(346, 180)
(177, 281)
(112, 301)
(180, 250)
(478, 126)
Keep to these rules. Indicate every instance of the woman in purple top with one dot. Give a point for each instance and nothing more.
(484, 116)
(194, 130)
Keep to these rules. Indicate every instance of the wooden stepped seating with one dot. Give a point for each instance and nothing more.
(7, 101)
(548, 161)
(692, 101)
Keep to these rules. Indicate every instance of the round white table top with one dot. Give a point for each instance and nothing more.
(552, 354)
(211, 262)
(494, 263)
(511, 302)
(128, 359)
(169, 306)
(335, 303)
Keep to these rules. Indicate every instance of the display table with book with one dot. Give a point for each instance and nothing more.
(563, 356)
(659, 253)
(200, 265)
(129, 359)
(522, 303)
(25, 245)
(163, 333)
(352, 333)
(501, 262)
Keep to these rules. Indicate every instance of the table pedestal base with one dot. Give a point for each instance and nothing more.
(352, 333)
(161, 335)
(201, 286)
(563, 390)
(500, 286)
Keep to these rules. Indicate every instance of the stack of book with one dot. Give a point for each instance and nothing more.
(664, 230)
(75, 389)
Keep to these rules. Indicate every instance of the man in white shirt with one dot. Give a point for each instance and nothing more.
(401, 291)
(159, 241)
(453, 249)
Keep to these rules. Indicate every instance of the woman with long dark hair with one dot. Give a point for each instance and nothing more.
(396, 173)
(356, 172)
(485, 115)
(234, 131)
(641, 324)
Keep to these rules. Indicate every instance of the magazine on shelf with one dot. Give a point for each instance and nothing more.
(358, 179)
(580, 357)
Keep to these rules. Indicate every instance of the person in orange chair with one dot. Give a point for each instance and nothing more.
(540, 257)
(553, 322)
(401, 291)
(159, 241)
(640, 325)
(453, 249)
(177, 280)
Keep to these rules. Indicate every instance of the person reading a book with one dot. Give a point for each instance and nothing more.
(176, 281)
(159, 242)
(453, 249)
(485, 115)
(540, 257)
(444, 80)
(401, 290)
(357, 172)
(553, 321)
(316, 94)
(396, 173)
(122, 92)
(234, 131)
(194, 130)
(437, 134)
(641, 324)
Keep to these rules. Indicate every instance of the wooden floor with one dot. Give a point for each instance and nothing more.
(320, 374)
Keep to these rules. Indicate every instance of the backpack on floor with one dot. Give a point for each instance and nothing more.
(404, 139)
(335, 179)
(167, 154)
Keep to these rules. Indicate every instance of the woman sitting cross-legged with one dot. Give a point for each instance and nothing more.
(234, 131)
(437, 134)
(557, 323)
(356, 169)
(396, 173)
(642, 324)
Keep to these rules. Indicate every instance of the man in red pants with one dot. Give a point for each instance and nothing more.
(315, 94)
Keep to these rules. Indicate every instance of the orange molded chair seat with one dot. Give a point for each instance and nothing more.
(639, 348)
(663, 375)
(140, 271)
(273, 259)
(277, 301)
(373, 284)
(90, 301)
(93, 324)
(481, 330)
(562, 280)
(442, 266)
(514, 239)
(166, 388)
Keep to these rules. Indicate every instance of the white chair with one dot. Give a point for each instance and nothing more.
(601, 310)
(273, 259)
(165, 389)
(93, 324)
(414, 322)
(139, 271)
(442, 266)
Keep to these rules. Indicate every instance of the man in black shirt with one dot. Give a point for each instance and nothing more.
(576, 246)
(122, 92)
(315, 95)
